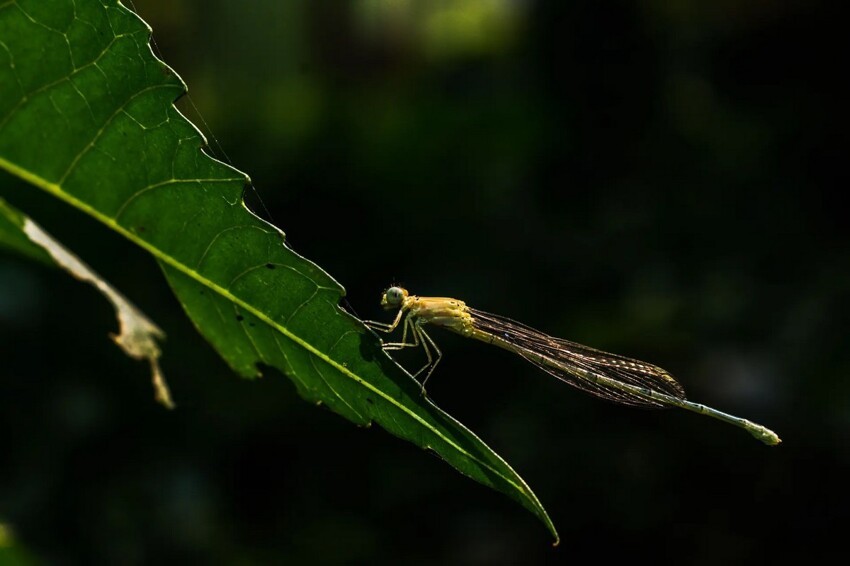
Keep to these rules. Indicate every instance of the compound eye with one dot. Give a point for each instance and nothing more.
(395, 295)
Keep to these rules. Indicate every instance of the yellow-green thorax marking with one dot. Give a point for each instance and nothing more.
(446, 312)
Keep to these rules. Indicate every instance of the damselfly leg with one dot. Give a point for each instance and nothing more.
(421, 339)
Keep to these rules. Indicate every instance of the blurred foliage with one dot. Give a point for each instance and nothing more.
(11, 553)
(441, 30)
(659, 179)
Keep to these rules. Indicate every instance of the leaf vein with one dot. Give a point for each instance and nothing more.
(28, 96)
(166, 183)
(103, 129)
(217, 236)
(334, 391)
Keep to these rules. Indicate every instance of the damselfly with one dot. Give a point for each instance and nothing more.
(609, 376)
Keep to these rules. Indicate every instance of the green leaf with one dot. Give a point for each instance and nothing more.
(86, 114)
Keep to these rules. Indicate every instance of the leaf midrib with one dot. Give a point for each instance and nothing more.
(56, 190)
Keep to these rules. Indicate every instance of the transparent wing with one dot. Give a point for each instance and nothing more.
(577, 364)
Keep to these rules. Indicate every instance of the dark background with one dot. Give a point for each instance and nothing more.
(659, 179)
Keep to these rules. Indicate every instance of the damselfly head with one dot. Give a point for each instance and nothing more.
(393, 297)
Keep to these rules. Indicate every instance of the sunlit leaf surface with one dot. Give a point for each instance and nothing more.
(86, 114)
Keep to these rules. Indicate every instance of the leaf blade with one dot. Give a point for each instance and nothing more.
(120, 152)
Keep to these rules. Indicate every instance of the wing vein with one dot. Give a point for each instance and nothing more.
(579, 365)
